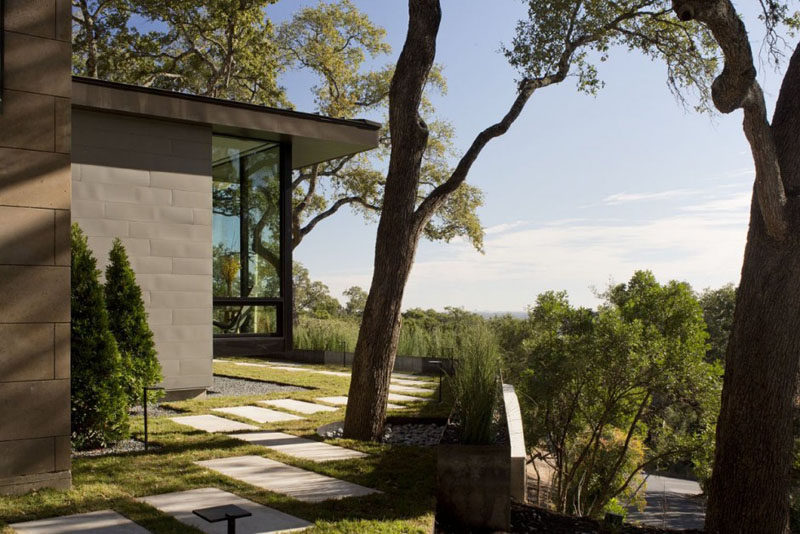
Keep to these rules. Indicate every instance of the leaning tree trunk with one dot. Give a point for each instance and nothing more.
(399, 229)
(749, 488)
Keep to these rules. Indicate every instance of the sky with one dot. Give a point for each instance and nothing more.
(581, 192)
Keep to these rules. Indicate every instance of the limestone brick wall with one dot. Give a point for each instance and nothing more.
(148, 182)
(34, 247)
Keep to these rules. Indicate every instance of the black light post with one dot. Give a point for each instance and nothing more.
(144, 405)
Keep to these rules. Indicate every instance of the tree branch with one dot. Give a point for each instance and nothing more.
(736, 87)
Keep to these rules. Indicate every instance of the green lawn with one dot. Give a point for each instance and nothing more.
(404, 474)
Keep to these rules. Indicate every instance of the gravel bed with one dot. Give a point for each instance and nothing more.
(241, 387)
(424, 435)
(127, 445)
(154, 410)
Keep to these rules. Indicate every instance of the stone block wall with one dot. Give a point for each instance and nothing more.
(148, 182)
(34, 246)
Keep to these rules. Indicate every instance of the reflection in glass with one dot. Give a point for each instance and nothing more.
(245, 319)
(246, 217)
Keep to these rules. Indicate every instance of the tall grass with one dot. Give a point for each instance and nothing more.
(475, 384)
(326, 334)
(330, 334)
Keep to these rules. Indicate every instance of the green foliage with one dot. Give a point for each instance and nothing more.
(128, 324)
(563, 38)
(635, 368)
(356, 300)
(312, 297)
(99, 407)
(475, 385)
(718, 305)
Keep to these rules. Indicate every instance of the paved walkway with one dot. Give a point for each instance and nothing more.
(259, 415)
(341, 400)
(263, 521)
(275, 476)
(212, 423)
(298, 406)
(298, 368)
(307, 449)
(102, 522)
(671, 503)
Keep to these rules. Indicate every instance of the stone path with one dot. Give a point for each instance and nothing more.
(281, 478)
(102, 522)
(397, 397)
(408, 389)
(307, 449)
(264, 519)
(212, 423)
(418, 383)
(298, 406)
(341, 400)
(297, 368)
(259, 415)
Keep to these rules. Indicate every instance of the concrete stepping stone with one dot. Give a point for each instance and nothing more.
(259, 415)
(398, 397)
(212, 423)
(307, 449)
(275, 476)
(342, 401)
(332, 373)
(417, 383)
(298, 406)
(248, 364)
(404, 375)
(263, 521)
(102, 522)
(408, 389)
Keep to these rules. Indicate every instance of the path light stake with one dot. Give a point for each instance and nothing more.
(144, 405)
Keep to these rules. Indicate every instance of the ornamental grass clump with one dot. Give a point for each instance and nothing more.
(99, 405)
(475, 385)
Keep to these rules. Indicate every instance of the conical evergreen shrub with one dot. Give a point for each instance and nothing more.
(99, 404)
(128, 323)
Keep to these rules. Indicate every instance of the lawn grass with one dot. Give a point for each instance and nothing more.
(404, 474)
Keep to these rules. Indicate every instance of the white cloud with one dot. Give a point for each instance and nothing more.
(623, 198)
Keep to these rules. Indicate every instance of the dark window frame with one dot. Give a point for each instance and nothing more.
(283, 318)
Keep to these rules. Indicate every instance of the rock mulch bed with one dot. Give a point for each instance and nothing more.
(530, 519)
(241, 387)
(124, 446)
(153, 410)
(422, 435)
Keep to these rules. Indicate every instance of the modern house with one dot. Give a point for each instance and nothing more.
(198, 190)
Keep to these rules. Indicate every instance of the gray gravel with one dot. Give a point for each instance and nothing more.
(154, 410)
(409, 434)
(127, 445)
(239, 387)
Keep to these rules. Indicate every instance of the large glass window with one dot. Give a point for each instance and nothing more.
(246, 235)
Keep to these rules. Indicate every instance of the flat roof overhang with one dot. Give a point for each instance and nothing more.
(314, 138)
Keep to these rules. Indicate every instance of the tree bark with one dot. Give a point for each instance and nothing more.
(398, 234)
(749, 488)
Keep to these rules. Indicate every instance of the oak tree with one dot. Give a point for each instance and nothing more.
(749, 489)
(551, 45)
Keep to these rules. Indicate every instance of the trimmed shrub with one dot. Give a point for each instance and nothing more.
(99, 404)
(128, 324)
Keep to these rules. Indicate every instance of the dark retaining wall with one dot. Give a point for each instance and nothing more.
(403, 364)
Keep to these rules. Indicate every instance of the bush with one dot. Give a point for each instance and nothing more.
(325, 334)
(99, 407)
(128, 324)
(475, 384)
